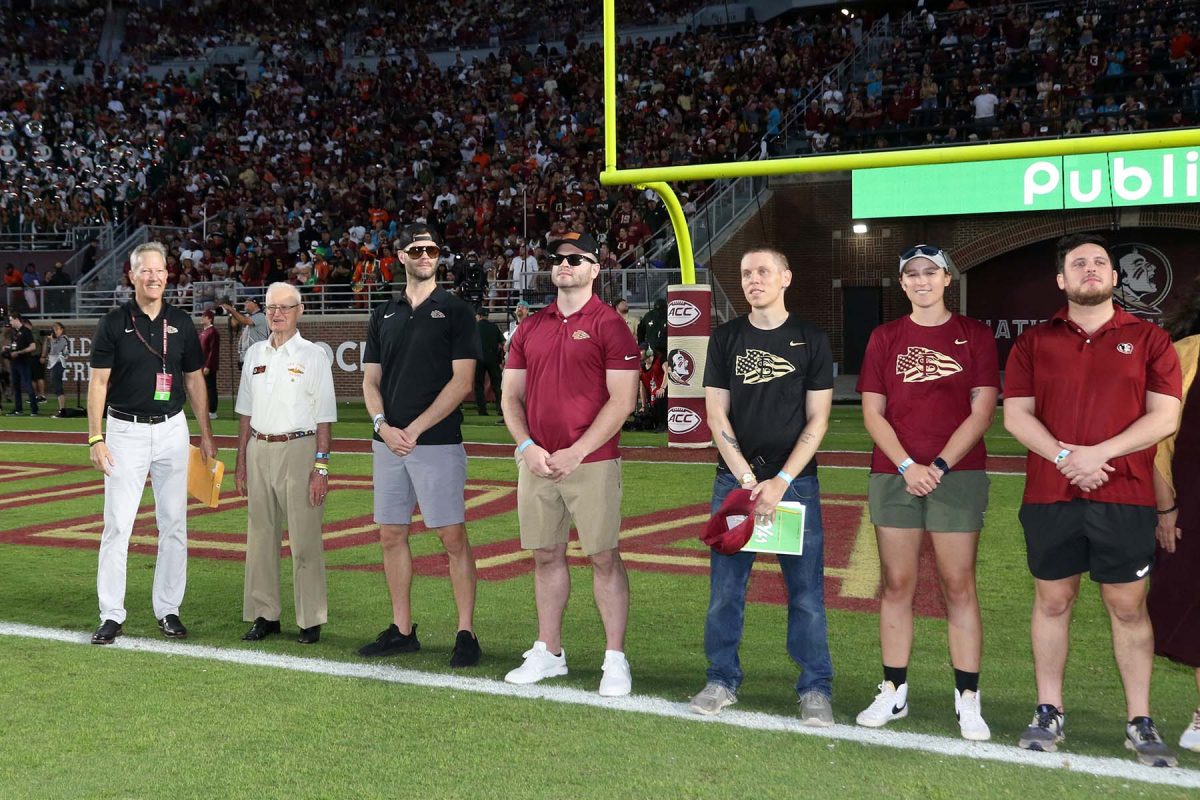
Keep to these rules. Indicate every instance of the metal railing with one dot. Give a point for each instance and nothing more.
(57, 240)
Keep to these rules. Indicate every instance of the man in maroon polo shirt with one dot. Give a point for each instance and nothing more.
(1090, 393)
(569, 384)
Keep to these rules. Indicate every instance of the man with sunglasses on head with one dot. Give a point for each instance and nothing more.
(418, 367)
(569, 384)
(286, 407)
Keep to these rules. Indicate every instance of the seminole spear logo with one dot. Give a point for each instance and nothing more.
(759, 366)
(920, 364)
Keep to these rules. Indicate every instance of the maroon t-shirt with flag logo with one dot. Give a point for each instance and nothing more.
(927, 374)
(565, 361)
(1087, 388)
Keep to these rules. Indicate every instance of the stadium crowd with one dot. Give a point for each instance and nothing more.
(304, 168)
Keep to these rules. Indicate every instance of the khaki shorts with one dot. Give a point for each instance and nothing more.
(956, 505)
(591, 495)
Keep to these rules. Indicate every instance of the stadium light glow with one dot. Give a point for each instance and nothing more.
(860, 228)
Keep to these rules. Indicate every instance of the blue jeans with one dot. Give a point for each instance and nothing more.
(807, 636)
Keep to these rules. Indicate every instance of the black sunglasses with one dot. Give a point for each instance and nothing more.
(574, 259)
(920, 250)
(431, 250)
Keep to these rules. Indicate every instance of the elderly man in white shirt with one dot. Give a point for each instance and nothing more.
(286, 405)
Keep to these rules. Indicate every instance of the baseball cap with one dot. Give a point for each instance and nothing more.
(732, 526)
(932, 252)
(523, 303)
(417, 232)
(584, 241)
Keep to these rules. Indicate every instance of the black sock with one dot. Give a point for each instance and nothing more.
(966, 681)
(897, 675)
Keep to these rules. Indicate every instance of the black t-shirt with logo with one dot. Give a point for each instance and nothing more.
(415, 349)
(22, 338)
(136, 365)
(768, 375)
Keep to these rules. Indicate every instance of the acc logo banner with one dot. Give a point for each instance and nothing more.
(682, 420)
(681, 367)
(681, 313)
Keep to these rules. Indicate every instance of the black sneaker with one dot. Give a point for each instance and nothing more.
(171, 627)
(108, 631)
(391, 642)
(466, 651)
(1141, 736)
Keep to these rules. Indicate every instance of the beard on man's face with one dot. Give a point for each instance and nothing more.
(1090, 296)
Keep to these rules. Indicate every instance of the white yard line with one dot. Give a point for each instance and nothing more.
(1123, 769)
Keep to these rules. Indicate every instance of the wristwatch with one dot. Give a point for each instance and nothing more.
(747, 478)
(378, 421)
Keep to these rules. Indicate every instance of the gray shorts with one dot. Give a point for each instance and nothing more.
(432, 476)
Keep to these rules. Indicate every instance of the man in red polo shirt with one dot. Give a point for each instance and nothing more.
(569, 384)
(1090, 393)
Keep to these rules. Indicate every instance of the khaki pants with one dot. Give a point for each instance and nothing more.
(277, 476)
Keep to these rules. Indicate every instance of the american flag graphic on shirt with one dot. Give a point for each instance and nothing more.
(920, 364)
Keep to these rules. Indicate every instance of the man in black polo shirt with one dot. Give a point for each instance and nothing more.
(491, 343)
(418, 367)
(145, 355)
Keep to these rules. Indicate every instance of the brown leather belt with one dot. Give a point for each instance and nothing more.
(280, 437)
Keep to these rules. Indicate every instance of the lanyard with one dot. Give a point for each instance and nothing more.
(146, 344)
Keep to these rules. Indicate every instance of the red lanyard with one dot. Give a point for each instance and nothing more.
(142, 339)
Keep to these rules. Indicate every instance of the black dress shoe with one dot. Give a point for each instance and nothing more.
(261, 629)
(310, 635)
(171, 627)
(108, 631)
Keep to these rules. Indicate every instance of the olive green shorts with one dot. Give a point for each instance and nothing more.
(957, 504)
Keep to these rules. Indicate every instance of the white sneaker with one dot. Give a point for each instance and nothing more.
(891, 703)
(212, 415)
(539, 663)
(617, 680)
(970, 717)
(1190, 740)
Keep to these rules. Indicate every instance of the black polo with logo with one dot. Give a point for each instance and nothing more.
(415, 349)
(136, 364)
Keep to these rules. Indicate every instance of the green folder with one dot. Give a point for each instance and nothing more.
(783, 535)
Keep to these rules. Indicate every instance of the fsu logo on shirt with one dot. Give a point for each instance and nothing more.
(759, 366)
(920, 364)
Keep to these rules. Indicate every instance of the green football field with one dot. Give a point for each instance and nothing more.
(182, 720)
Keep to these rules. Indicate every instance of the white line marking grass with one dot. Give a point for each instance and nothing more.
(1124, 769)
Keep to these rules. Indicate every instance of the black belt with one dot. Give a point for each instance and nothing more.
(145, 419)
(280, 437)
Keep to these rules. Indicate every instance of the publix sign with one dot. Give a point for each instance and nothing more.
(1101, 180)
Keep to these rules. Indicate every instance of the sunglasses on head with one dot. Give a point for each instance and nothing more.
(574, 259)
(416, 251)
(920, 250)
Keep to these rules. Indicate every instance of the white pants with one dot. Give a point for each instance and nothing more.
(161, 451)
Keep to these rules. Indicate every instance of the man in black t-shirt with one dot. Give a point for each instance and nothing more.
(768, 389)
(145, 356)
(418, 367)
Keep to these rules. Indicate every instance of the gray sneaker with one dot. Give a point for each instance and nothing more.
(712, 698)
(816, 710)
(1046, 730)
(1141, 736)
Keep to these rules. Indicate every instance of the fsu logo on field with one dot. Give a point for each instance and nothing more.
(681, 313)
(920, 364)
(681, 367)
(682, 420)
(1145, 278)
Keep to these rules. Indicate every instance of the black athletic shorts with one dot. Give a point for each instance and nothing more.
(1112, 541)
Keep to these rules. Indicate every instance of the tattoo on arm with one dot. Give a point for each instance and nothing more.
(974, 394)
(731, 441)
